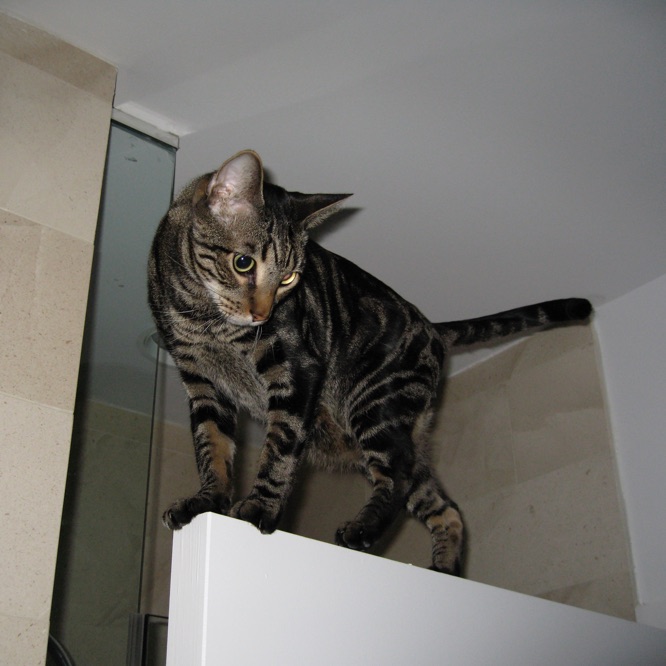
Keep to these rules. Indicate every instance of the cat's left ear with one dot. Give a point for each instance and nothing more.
(237, 186)
(313, 209)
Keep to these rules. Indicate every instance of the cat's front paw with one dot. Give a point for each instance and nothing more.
(257, 511)
(356, 535)
(181, 512)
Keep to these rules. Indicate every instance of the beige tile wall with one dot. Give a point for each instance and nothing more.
(56, 107)
(521, 442)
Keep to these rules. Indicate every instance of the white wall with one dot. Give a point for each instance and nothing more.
(631, 332)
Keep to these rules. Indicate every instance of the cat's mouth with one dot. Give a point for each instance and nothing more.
(248, 320)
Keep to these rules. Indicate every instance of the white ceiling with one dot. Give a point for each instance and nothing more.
(500, 152)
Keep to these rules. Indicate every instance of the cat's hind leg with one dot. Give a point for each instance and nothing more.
(428, 503)
(386, 460)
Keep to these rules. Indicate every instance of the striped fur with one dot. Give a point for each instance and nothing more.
(338, 366)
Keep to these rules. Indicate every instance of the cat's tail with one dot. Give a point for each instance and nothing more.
(509, 322)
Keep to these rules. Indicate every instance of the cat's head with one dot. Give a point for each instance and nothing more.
(250, 237)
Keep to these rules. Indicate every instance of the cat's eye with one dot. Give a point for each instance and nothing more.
(243, 263)
(288, 279)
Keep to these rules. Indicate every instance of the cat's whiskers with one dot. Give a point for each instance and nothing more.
(205, 326)
(170, 312)
(212, 322)
(182, 291)
(257, 337)
(175, 261)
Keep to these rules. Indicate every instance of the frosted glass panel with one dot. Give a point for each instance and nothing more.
(98, 575)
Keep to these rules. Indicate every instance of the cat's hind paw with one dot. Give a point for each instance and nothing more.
(455, 570)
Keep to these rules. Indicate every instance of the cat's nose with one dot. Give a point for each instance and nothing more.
(261, 305)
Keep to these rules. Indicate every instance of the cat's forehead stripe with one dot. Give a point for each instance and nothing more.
(287, 260)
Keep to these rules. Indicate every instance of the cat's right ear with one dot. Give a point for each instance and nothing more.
(237, 186)
(313, 209)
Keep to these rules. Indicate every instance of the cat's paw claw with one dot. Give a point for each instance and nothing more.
(354, 535)
(181, 512)
(172, 519)
(256, 511)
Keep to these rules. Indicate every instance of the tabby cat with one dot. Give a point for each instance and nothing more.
(337, 365)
